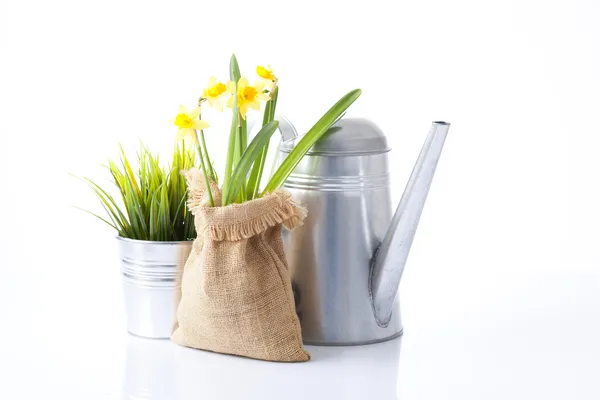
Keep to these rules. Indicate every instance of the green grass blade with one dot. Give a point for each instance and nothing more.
(153, 219)
(177, 212)
(165, 217)
(110, 211)
(97, 216)
(241, 170)
(128, 170)
(113, 206)
(152, 205)
(309, 139)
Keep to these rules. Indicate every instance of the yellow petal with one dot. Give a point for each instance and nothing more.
(230, 102)
(190, 133)
(244, 110)
(194, 113)
(199, 124)
(182, 110)
(180, 134)
(255, 105)
(262, 72)
(263, 96)
(231, 86)
(218, 104)
(212, 81)
(242, 83)
(259, 86)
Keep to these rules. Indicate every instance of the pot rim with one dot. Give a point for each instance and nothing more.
(123, 239)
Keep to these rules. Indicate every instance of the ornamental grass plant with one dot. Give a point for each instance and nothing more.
(151, 202)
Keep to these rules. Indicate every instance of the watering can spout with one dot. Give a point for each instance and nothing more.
(390, 258)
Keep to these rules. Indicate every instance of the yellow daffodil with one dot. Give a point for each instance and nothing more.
(213, 93)
(266, 73)
(248, 96)
(188, 124)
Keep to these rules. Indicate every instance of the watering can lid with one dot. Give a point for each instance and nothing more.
(348, 136)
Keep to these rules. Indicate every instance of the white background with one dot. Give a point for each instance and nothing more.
(508, 241)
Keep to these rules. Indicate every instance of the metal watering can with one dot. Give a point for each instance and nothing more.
(347, 259)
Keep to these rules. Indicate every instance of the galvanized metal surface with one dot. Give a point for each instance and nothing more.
(151, 274)
(389, 263)
(347, 194)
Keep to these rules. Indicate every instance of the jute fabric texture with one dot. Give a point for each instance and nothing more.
(236, 292)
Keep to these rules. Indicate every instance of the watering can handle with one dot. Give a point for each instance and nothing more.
(286, 128)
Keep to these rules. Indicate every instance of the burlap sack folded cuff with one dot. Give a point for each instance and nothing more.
(242, 221)
(236, 290)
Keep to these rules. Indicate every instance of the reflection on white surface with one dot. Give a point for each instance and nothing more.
(533, 338)
(161, 370)
(149, 369)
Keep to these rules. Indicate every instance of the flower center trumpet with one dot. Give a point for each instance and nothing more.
(248, 96)
(184, 121)
(188, 124)
(213, 93)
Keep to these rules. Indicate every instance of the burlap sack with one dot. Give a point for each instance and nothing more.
(236, 294)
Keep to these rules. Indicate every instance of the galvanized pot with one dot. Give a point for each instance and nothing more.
(152, 284)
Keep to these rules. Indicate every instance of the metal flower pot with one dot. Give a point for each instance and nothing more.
(152, 284)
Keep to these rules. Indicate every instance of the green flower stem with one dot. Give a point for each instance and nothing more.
(243, 135)
(237, 155)
(206, 179)
(239, 143)
(205, 151)
(243, 144)
(241, 170)
(230, 150)
(257, 168)
(259, 164)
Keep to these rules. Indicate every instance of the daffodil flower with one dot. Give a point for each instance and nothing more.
(266, 73)
(248, 96)
(213, 93)
(188, 124)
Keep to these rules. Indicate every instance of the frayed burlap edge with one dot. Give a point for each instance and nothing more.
(197, 190)
(242, 221)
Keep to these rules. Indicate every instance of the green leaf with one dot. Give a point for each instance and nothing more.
(234, 69)
(259, 164)
(230, 148)
(241, 170)
(309, 139)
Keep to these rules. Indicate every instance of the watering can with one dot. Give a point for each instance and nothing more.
(347, 260)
